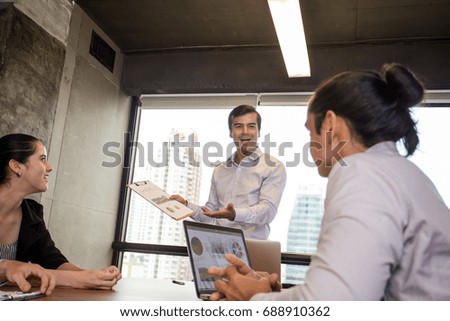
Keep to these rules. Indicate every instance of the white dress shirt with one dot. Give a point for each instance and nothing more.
(385, 234)
(254, 186)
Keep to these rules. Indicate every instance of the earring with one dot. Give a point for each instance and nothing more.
(18, 174)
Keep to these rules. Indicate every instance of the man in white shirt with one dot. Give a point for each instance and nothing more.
(246, 189)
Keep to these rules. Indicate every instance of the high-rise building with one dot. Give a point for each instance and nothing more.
(304, 228)
(177, 170)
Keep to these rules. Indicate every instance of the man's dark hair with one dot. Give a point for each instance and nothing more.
(376, 105)
(243, 110)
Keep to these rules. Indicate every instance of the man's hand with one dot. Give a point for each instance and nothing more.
(240, 282)
(178, 198)
(21, 273)
(228, 212)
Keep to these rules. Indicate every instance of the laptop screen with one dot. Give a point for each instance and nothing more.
(207, 245)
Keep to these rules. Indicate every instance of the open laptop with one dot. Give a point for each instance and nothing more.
(207, 245)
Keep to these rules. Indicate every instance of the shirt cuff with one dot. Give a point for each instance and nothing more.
(197, 209)
(240, 215)
(258, 297)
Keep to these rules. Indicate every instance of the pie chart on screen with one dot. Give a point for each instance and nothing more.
(197, 246)
(237, 249)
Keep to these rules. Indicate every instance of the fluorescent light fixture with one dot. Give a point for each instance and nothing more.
(287, 19)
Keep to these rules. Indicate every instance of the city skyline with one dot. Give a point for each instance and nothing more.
(147, 224)
(304, 229)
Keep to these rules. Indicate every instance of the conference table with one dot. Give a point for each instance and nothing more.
(127, 289)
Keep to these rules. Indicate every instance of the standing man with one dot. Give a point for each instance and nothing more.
(246, 189)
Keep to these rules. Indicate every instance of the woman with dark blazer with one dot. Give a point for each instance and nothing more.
(24, 238)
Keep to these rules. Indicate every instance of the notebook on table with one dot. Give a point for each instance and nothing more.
(207, 245)
(19, 295)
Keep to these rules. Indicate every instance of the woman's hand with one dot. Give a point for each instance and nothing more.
(24, 274)
(103, 279)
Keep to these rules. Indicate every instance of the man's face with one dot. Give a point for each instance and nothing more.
(245, 133)
(317, 146)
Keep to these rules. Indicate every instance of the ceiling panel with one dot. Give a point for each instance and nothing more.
(140, 25)
(403, 19)
(186, 46)
(152, 25)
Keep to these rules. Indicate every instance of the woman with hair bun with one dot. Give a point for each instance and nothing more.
(385, 230)
(24, 238)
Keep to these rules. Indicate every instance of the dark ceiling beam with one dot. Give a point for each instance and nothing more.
(262, 69)
(367, 42)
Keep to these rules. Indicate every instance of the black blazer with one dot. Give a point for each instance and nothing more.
(35, 244)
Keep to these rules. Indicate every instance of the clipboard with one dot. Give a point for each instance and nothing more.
(159, 198)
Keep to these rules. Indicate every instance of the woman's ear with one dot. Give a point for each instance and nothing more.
(15, 167)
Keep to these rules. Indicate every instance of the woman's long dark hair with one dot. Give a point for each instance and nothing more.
(375, 105)
(15, 146)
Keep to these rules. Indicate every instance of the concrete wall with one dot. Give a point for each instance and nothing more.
(77, 106)
(52, 16)
(83, 199)
(31, 63)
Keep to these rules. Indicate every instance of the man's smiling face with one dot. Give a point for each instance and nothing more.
(245, 133)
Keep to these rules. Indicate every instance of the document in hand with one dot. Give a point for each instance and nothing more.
(160, 199)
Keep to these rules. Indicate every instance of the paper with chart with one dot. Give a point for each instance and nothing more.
(160, 199)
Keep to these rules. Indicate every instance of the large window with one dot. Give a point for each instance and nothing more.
(180, 139)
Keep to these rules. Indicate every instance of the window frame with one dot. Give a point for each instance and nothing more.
(433, 98)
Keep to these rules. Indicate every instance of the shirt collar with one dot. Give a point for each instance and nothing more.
(253, 157)
(383, 147)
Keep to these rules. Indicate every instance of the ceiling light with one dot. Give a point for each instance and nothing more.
(287, 19)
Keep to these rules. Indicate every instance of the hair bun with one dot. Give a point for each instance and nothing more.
(403, 84)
